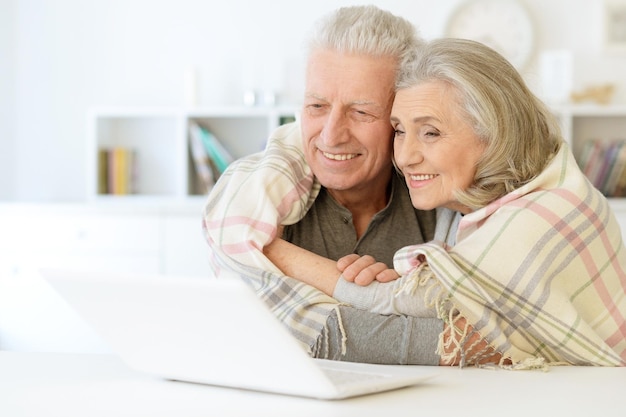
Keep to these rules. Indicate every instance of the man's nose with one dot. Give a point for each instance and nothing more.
(335, 128)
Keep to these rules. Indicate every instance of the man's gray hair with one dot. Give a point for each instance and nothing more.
(365, 30)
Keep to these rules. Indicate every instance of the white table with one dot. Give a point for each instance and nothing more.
(68, 385)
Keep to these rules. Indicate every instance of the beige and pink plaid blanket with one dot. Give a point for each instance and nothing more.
(541, 273)
(246, 205)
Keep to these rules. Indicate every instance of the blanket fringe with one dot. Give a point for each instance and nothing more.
(344, 337)
(529, 364)
(455, 348)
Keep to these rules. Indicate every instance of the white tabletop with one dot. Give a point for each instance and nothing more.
(68, 385)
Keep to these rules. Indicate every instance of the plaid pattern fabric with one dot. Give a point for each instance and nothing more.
(251, 198)
(541, 272)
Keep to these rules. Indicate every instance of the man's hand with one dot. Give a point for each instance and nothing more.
(363, 270)
(303, 265)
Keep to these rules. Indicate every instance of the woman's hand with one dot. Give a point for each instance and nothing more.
(363, 270)
(479, 353)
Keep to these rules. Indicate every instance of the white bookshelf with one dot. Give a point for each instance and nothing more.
(585, 122)
(580, 123)
(165, 168)
(159, 139)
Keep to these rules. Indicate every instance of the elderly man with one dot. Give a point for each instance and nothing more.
(328, 186)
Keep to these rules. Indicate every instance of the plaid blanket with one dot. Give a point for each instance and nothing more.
(246, 205)
(541, 272)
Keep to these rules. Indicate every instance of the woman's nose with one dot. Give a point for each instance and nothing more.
(407, 153)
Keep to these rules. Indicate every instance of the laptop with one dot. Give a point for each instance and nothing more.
(213, 331)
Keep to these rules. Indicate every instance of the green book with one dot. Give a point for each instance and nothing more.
(220, 156)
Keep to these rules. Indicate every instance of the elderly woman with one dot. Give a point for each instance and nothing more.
(528, 253)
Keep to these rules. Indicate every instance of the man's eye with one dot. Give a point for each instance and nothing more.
(363, 116)
(314, 108)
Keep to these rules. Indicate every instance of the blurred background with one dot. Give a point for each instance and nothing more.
(58, 58)
(150, 68)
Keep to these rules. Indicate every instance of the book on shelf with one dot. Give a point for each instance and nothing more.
(604, 164)
(204, 167)
(117, 168)
(591, 157)
(618, 173)
(103, 171)
(286, 119)
(218, 155)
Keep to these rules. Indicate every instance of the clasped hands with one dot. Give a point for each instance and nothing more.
(363, 270)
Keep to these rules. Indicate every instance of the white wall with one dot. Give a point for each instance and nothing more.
(61, 57)
(7, 98)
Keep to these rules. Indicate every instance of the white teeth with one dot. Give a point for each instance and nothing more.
(339, 157)
(422, 177)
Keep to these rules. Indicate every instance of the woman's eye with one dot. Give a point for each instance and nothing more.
(430, 134)
(398, 132)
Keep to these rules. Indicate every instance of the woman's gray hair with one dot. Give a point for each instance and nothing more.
(520, 133)
(365, 30)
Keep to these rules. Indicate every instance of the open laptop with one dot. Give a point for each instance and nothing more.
(213, 331)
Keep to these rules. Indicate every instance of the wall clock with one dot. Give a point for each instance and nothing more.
(504, 25)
